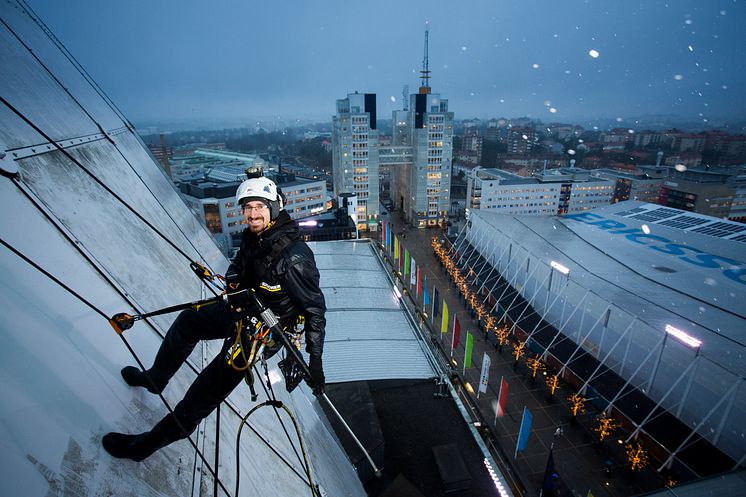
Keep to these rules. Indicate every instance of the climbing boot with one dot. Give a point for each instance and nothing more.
(136, 378)
(142, 446)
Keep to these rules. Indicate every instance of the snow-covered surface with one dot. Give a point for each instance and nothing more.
(59, 359)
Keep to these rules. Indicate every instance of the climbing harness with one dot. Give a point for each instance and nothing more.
(247, 301)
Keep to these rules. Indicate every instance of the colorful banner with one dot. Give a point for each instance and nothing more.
(550, 476)
(502, 399)
(426, 296)
(420, 276)
(413, 273)
(484, 377)
(384, 232)
(396, 247)
(469, 350)
(406, 261)
(444, 322)
(525, 431)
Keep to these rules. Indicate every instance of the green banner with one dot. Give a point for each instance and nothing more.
(469, 347)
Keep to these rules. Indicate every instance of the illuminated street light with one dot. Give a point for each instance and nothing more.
(683, 337)
(559, 267)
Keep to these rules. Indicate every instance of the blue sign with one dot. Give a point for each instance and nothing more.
(731, 269)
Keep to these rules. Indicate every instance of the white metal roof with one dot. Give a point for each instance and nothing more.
(368, 334)
(665, 276)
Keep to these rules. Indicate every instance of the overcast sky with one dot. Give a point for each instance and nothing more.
(188, 59)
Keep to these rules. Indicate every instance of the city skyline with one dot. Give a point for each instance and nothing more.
(574, 62)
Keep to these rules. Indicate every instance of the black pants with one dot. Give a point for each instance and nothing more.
(214, 383)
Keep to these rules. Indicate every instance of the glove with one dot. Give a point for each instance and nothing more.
(232, 280)
(317, 382)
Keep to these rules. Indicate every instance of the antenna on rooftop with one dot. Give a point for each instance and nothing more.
(425, 72)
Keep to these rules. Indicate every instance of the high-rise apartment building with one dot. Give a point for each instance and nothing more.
(355, 155)
(422, 186)
(417, 162)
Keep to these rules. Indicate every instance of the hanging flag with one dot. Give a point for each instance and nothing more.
(413, 273)
(426, 296)
(406, 261)
(484, 377)
(436, 303)
(396, 247)
(550, 476)
(383, 232)
(469, 349)
(524, 432)
(389, 238)
(456, 334)
(502, 399)
(444, 322)
(420, 276)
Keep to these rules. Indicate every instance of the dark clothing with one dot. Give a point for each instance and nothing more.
(288, 284)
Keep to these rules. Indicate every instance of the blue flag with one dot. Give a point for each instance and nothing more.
(524, 432)
(426, 293)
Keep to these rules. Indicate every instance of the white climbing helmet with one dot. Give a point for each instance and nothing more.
(261, 188)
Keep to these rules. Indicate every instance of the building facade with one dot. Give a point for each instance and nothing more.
(644, 186)
(713, 192)
(553, 192)
(213, 200)
(422, 186)
(355, 155)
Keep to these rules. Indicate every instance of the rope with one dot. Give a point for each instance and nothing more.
(89, 173)
(244, 421)
(262, 334)
(126, 298)
(271, 395)
(77, 102)
(124, 340)
(66, 53)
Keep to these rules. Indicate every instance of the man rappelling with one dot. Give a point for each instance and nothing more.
(280, 270)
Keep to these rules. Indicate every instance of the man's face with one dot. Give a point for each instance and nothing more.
(257, 215)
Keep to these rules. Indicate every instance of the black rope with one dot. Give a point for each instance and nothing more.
(77, 102)
(78, 66)
(276, 404)
(217, 451)
(126, 298)
(271, 395)
(124, 340)
(89, 173)
(126, 343)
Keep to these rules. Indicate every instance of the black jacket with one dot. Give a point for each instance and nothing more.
(290, 285)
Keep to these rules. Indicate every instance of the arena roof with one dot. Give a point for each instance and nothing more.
(663, 274)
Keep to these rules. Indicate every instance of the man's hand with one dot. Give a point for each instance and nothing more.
(318, 381)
